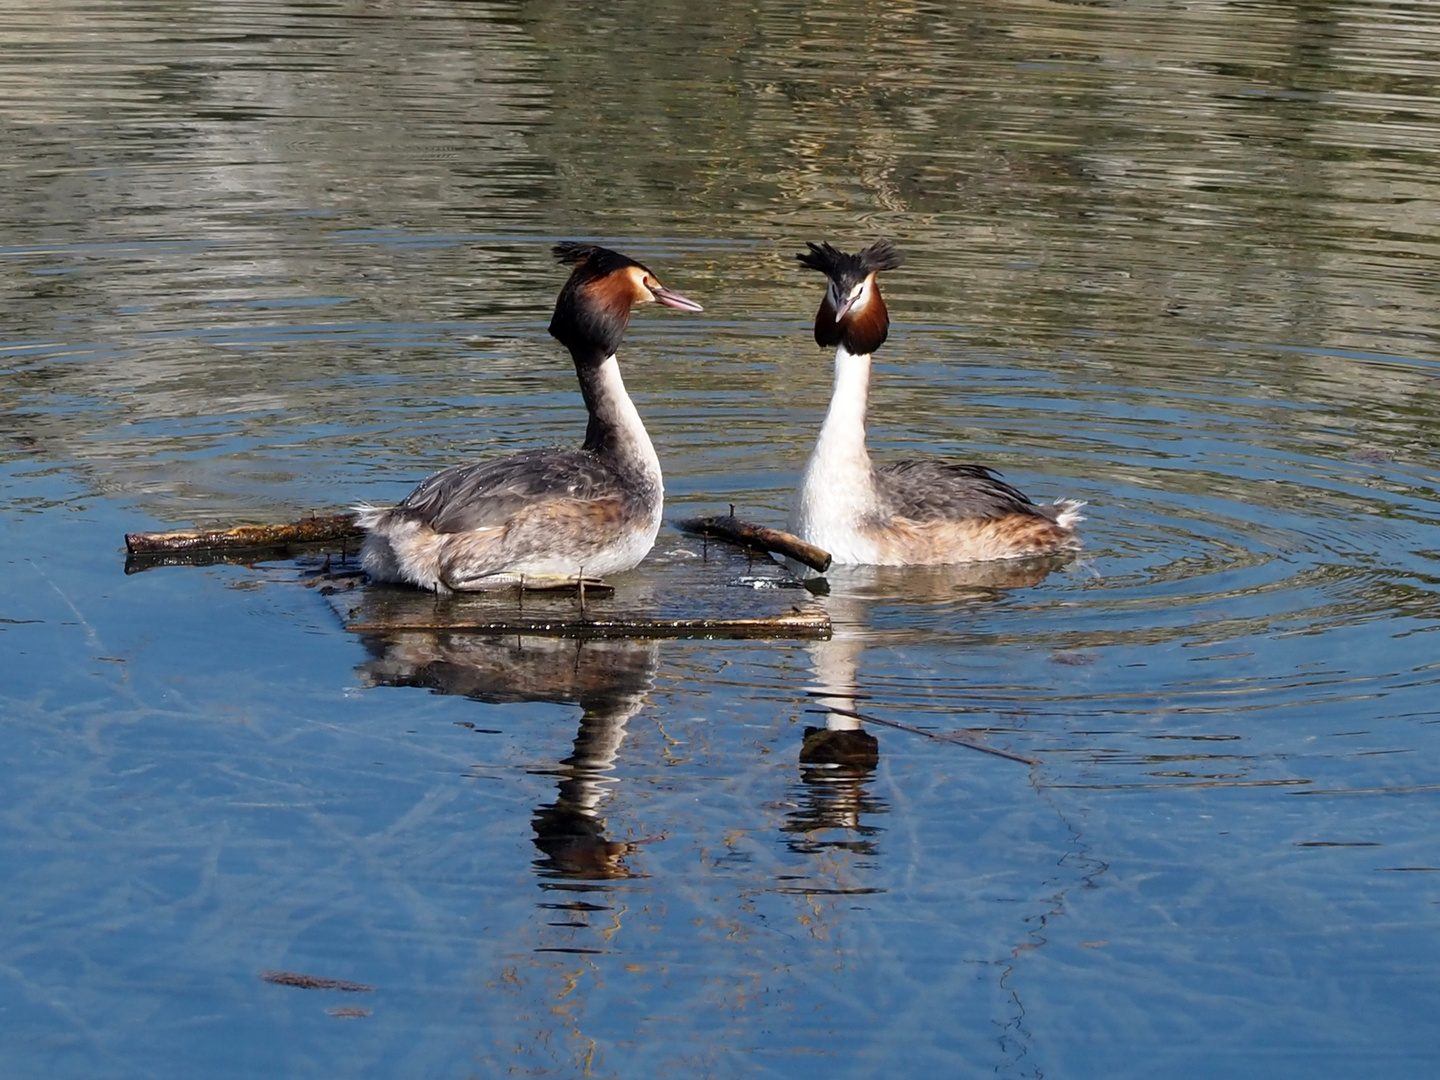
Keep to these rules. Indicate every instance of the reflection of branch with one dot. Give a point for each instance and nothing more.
(941, 736)
(757, 538)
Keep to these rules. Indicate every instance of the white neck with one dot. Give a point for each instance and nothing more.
(844, 427)
(615, 423)
(837, 489)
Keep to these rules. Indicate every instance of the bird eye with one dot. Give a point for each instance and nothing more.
(857, 290)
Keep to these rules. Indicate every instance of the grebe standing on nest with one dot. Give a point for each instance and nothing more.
(551, 515)
(927, 511)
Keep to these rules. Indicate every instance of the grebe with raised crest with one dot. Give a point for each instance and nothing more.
(547, 516)
(926, 511)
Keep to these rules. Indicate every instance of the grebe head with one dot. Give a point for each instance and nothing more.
(595, 304)
(853, 312)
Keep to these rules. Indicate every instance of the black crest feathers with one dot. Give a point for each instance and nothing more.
(841, 266)
(863, 326)
(598, 260)
(571, 253)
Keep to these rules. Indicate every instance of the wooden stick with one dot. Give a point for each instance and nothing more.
(747, 534)
(793, 625)
(309, 530)
(940, 736)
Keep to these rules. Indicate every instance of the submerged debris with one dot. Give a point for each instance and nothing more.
(314, 982)
(349, 1012)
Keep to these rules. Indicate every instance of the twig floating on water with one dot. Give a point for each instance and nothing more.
(939, 736)
(747, 534)
(310, 530)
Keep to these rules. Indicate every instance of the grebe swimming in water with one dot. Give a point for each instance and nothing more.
(548, 515)
(913, 512)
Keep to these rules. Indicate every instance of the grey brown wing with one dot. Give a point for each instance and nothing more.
(487, 493)
(935, 490)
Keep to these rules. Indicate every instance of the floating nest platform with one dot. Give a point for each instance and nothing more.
(682, 590)
(694, 586)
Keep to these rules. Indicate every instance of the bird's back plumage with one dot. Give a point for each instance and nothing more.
(932, 489)
(483, 494)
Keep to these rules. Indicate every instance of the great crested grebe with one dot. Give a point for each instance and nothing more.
(913, 512)
(551, 515)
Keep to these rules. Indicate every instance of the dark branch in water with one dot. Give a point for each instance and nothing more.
(314, 982)
(754, 537)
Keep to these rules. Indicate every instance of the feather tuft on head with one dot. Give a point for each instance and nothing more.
(839, 265)
(599, 260)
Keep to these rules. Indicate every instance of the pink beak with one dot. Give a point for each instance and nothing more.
(673, 299)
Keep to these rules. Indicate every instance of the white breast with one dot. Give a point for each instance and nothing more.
(836, 495)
